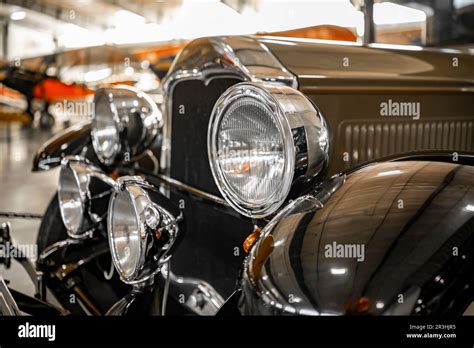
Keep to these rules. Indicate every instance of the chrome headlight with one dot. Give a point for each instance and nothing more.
(263, 139)
(141, 231)
(74, 194)
(125, 122)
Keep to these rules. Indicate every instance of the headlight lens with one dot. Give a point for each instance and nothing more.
(261, 140)
(80, 183)
(125, 237)
(72, 194)
(251, 151)
(125, 122)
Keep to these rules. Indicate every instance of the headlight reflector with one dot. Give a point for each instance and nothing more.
(105, 132)
(251, 152)
(72, 196)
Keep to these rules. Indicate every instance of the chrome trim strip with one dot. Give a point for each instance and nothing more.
(382, 89)
(192, 190)
(367, 140)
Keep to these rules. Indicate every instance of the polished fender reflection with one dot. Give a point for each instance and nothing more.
(389, 240)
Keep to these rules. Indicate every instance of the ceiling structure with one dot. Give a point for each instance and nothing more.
(82, 23)
(96, 13)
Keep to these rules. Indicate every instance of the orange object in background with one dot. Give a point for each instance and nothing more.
(321, 32)
(52, 89)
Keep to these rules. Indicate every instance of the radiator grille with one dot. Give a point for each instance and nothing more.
(367, 140)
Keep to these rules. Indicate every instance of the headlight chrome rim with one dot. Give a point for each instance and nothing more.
(145, 265)
(267, 101)
(81, 171)
(122, 189)
(95, 142)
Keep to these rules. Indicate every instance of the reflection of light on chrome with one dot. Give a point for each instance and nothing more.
(338, 271)
(75, 36)
(389, 172)
(278, 243)
(470, 207)
(379, 304)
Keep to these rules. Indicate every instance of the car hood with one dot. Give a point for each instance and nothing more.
(321, 66)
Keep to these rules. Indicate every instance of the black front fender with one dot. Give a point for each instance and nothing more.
(393, 238)
(75, 140)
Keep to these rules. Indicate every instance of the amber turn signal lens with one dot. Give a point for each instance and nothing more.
(362, 305)
(251, 239)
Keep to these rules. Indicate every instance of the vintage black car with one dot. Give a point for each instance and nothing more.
(288, 176)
